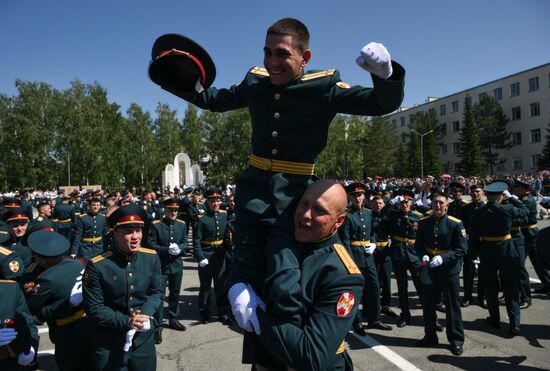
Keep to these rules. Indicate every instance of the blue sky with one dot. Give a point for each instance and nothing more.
(445, 46)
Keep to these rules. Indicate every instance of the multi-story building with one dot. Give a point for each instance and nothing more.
(525, 99)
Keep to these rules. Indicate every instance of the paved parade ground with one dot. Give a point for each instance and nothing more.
(217, 347)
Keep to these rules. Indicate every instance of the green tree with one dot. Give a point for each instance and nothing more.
(492, 124)
(544, 161)
(332, 161)
(193, 134)
(141, 167)
(469, 149)
(167, 133)
(401, 161)
(426, 122)
(378, 146)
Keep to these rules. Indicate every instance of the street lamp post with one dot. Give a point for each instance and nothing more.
(422, 150)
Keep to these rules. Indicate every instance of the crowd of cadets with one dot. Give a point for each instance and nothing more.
(429, 231)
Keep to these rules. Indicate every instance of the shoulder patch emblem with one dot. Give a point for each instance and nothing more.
(259, 71)
(346, 259)
(28, 286)
(317, 75)
(343, 85)
(454, 219)
(147, 251)
(14, 266)
(345, 304)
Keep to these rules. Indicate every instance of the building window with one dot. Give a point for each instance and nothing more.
(517, 163)
(443, 149)
(533, 84)
(393, 124)
(456, 126)
(534, 109)
(498, 93)
(443, 109)
(535, 136)
(443, 129)
(516, 113)
(402, 121)
(403, 137)
(481, 96)
(535, 159)
(516, 138)
(514, 89)
(456, 148)
(455, 106)
(411, 119)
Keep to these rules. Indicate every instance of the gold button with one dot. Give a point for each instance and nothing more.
(131, 287)
(277, 96)
(276, 115)
(131, 298)
(129, 274)
(274, 151)
(274, 134)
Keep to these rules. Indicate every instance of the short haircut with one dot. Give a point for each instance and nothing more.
(294, 28)
(440, 194)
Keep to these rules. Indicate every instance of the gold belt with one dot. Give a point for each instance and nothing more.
(435, 252)
(62, 220)
(496, 238)
(212, 243)
(382, 243)
(74, 317)
(279, 166)
(360, 243)
(407, 241)
(341, 348)
(91, 239)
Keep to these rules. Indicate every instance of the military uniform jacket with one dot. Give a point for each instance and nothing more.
(443, 236)
(194, 211)
(456, 208)
(211, 234)
(331, 286)
(63, 215)
(402, 230)
(356, 232)
(115, 285)
(163, 233)
(468, 212)
(530, 228)
(89, 226)
(494, 220)
(20, 248)
(79, 208)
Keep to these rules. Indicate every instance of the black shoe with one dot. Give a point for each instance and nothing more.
(359, 330)
(426, 341)
(542, 290)
(524, 305)
(482, 303)
(514, 331)
(380, 326)
(205, 318)
(225, 319)
(440, 307)
(465, 303)
(177, 325)
(457, 350)
(389, 312)
(402, 322)
(493, 322)
(438, 327)
(158, 337)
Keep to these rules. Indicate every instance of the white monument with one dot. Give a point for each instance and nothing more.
(182, 173)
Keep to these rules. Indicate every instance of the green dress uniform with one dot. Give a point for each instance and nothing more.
(209, 242)
(17, 246)
(356, 233)
(490, 234)
(402, 228)
(11, 264)
(79, 208)
(63, 216)
(445, 237)
(471, 255)
(456, 208)
(382, 258)
(70, 330)
(116, 285)
(14, 307)
(161, 234)
(88, 235)
(330, 288)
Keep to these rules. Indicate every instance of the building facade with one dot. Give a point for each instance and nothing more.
(524, 98)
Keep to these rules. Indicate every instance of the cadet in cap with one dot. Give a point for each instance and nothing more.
(122, 305)
(17, 220)
(496, 187)
(180, 65)
(356, 188)
(56, 299)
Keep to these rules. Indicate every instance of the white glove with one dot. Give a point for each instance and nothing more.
(153, 214)
(174, 249)
(128, 342)
(243, 305)
(506, 194)
(396, 200)
(7, 335)
(76, 292)
(436, 261)
(203, 263)
(545, 199)
(201, 211)
(369, 249)
(198, 86)
(419, 202)
(25, 358)
(146, 327)
(375, 59)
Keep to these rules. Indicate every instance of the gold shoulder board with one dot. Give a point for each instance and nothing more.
(156, 221)
(7, 281)
(454, 219)
(180, 221)
(102, 256)
(259, 71)
(417, 213)
(317, 75)
(5, 251)
(346, 259)
(426, 217)
(147, 251)
(30, 267)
